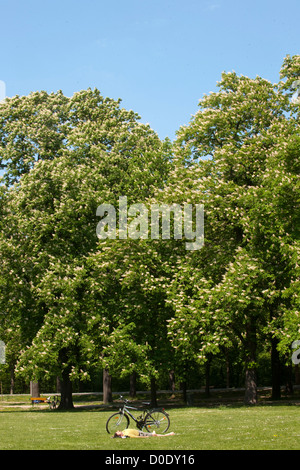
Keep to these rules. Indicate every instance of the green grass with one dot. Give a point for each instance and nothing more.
(265, 427)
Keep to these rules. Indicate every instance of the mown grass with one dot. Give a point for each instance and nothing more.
(264, 427)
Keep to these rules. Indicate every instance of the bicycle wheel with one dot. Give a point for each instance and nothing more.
(157, 420)
(53, 405)
(117, 422)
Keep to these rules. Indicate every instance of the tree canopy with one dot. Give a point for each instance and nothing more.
(71, 302)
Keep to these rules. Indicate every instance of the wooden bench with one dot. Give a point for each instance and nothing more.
(38, 400)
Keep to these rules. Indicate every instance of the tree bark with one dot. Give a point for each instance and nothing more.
(227, 369)
(66, 397)
(250, 364)
(107, 391)
(250, 386)
(172, 381)
(132, 392)
(34, 389)
(183, 387)
(207, 376)
(12, 380)
(153, 392)
(58, 385)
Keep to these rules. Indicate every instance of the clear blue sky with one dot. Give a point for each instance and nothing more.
(158, 56)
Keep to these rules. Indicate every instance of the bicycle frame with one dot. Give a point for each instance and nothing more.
(125, 410)
(149, 417)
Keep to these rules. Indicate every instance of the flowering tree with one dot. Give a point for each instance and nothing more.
(127, 281)
(148, 305)
(49, 223)
(238, 156)
(32, 128)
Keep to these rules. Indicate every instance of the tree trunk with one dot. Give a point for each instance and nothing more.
(132, 391)
(250, 364)
(34, 389)
(58, 385)
(66, 398)
(207, 376)
(184, 394)
(275, 365)
(172, 381)
(250, 386)
(12, 380)
(227, 369)
(107, 391)
(153, 392)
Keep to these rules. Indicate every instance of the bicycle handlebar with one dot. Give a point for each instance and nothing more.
(124, 399)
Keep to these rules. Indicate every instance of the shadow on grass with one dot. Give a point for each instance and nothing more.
(216, 400)
(219, 400)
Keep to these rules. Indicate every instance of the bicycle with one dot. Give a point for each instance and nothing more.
(151, 419)
(53, 401)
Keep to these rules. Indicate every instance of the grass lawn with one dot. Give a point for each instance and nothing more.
(233, 427)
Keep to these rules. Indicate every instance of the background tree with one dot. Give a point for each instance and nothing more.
(230, 150)
(50, 224)
(150, 306)
(127, 289)
(32, 128)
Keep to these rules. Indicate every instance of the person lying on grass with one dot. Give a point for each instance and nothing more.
(137, 433)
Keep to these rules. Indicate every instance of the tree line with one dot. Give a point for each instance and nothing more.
(71, 303)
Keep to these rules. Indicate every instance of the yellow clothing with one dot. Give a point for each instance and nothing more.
(131, 432)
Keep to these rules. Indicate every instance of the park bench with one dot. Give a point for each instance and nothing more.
(53, 401)
(38, 400)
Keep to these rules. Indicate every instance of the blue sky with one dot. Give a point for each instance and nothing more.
(158, 56)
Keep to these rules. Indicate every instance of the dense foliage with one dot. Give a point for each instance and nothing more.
(72, 304)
